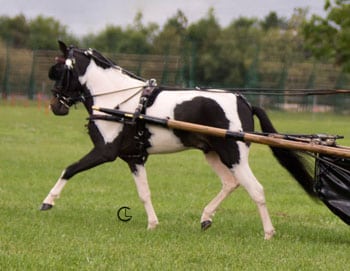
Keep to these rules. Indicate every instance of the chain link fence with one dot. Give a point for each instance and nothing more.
(23, 73)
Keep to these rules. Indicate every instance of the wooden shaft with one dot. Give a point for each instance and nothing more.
(271, 140)
(296, 145)
(196, 128)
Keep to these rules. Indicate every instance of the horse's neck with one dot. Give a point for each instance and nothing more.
(111, 87)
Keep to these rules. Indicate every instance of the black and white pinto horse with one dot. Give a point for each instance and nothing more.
(87, 76)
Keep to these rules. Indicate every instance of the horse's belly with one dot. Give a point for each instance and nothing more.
(164, 141)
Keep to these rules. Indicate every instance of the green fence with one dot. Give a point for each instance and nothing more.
(24, 73)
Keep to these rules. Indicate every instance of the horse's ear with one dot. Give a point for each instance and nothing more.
(63, 47)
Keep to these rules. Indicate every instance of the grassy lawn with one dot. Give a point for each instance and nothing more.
(82, 232)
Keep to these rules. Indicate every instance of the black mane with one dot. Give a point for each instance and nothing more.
(106, 63)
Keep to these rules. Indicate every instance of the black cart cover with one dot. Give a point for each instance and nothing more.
(332, 176)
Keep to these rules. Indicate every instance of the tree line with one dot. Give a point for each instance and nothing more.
(211, 53)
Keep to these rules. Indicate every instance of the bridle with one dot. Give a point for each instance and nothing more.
(70, 68)
(60, 88)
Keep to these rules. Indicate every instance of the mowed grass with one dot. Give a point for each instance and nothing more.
(82, 232)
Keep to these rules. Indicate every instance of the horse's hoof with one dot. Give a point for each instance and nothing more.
(206, 225)
(152, 225)
(269, 235)
(45, 207)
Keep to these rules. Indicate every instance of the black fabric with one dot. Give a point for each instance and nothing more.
(332, 177)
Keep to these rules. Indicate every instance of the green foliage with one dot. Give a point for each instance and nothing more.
(238, 53)
(211, 55)
(273, 21)
(329, 38)
(44, 33)
(15, 30)
(135, 39)
(204, 36)
(39, 33)
(171, 40)
(107, 40)
(83, 233)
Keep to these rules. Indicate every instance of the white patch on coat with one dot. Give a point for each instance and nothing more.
(112, 88)
(164, 140)
(112, 81)
(55, 192)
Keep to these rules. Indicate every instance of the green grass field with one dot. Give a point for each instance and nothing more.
(82, 232)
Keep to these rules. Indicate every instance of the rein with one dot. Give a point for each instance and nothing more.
(69, 101)
(116, 91)
(120, 90)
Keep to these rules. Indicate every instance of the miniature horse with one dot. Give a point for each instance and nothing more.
(87, 76)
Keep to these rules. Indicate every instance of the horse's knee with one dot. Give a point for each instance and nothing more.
(229, 187)
(255, 191)
(144, 197)
(247, 179)
(258, 195)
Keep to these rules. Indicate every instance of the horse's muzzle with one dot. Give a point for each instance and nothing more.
(58, 107)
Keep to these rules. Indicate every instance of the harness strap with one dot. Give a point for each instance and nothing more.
(142, 135)
(146, 93)
(129, 98)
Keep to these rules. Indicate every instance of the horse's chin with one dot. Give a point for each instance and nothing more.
(58, 108)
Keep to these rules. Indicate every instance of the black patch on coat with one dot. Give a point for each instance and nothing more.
(206, 111)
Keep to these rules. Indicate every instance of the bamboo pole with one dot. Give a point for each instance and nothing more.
(271, 140)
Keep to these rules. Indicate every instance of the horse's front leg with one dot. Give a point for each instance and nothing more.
(140, 177)
(95, 157)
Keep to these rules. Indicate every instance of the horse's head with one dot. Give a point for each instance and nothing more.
(67, 89)
(71, 86)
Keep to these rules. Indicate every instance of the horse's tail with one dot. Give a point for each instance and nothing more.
(291, 160)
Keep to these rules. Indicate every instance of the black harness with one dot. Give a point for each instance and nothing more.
(136, 126)
(142, 135)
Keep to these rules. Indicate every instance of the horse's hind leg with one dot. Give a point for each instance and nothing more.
(228, 185)
(247, 179)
